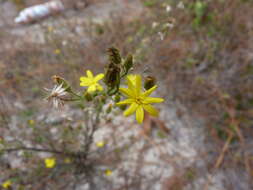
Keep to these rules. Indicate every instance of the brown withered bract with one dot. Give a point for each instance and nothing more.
(149, 82)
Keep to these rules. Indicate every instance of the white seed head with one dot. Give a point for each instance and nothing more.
(154, 24)
(180, 5)
(168, 8)
(57, 95)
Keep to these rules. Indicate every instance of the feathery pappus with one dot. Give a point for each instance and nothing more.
(57, 95)
(40, 11)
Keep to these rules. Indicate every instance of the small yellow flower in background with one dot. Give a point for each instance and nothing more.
(57, 51)
(31, 122)
(50, 29)
(108, 172)
(100, 144)
(139, 100)
(7, 184)
(50, 162)
(91, 81)
(67, 160)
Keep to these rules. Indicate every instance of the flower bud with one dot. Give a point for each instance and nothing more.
(112, 75)
(123, 107)
(114, 55)
(149, 82)
(117, 98)
(109, 109)
(88, 96)
(61, 81)
(128, 63)
(102, 99)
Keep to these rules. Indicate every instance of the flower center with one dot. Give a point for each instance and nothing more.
(138, 100)
(93, 82)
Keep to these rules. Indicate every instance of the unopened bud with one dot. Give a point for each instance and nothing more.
(103, 99)
(61, 81)
(149, 82)
(123, 107)
(109, 109)
(88, 96)
(112, 75)
(117, 98)
(128, 63)
(114, 55)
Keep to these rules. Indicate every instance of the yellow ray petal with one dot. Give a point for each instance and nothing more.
(126, 92)
(84, 79)
(139, 114)
(151, 110)
(99, 77)
(83, 83)
(138, 85)
(149, 91)
(99, 87)
(127, 101)
(92, 88)
(131, 109)
(151, 100)
(131, 85)
(132, 78)
(89, 74)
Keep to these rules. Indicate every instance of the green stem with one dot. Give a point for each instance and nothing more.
(73, 93)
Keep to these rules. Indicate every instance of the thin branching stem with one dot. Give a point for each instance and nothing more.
(37, 150)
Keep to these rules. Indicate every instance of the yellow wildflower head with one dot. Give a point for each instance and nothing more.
(50, 162)
(57, 51)
(91, 81)
(67, 160)
(108, 172)
(6, 184)
(138, 99)
(100, 144)
(50, 29)
(31, 122)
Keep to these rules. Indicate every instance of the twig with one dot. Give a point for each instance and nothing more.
(219, 159)
(37, 150)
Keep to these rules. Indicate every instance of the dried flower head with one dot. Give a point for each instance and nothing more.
(57, 95)
(155, 24)
(180, 5)
(168, 8)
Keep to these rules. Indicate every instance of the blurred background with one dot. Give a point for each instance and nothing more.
(201, 54)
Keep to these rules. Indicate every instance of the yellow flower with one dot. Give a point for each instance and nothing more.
(31, 122)
(57, 51)
(139, 100)
(108, 172)
(67, 160)
(91, 81)
(50, 29)
(50, 162)
(7, 184)
(100, 144)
